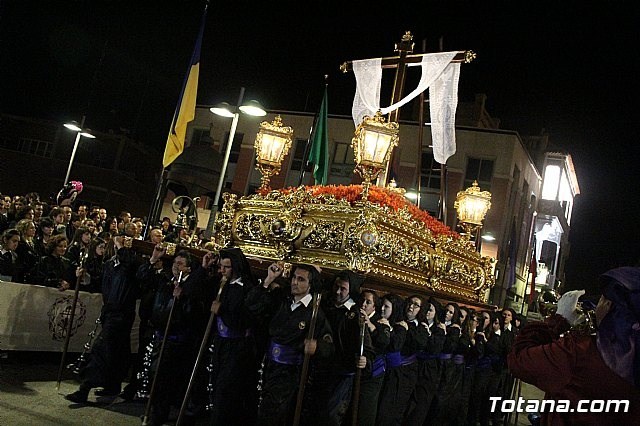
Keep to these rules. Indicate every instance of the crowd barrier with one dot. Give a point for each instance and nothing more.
(34, 318)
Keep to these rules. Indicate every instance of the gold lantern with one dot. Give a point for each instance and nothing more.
(272, 145)
(372, 144)
(472, 206)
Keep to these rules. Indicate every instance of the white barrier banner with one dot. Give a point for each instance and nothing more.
(35, 318)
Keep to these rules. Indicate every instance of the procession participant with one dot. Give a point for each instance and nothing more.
(423, 399)
(578, 366)
(288, 312)
(188, 298)
(110, 354)
(401, 379)
(94, 266)
(332, 378)
(450, 372)
(379, 329)
(234, 376)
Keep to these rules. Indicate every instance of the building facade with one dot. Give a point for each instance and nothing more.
(527, 220)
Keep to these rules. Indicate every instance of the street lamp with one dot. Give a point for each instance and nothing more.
(225, 110)
(80, 131)
(472, 206)
(372, 144)
(272, 144)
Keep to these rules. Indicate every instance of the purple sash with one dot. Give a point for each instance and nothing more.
(423, 356)
(410, 359)
(283, 354)
(445, 356)
(378, 368)
(394, 359)
(224, 331)
(458, 359)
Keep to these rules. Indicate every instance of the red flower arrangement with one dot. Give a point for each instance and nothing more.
(379, 196)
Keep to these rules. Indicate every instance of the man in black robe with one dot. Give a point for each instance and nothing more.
(111, 352)
(233, 357)
(289, 313)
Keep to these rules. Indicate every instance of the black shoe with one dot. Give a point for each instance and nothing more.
(79, 397)
(127, 394)
(107, 392)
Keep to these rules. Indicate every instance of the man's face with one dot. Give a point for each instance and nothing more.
(67, 213)
(18, 204)
(103, 214)
(47, 230)
(37, 211)
(341, 291)
(82, 211)
(180, 265)
(300, 284)
(226, 269)
(90, 225)
(155, 236)
(126, 218)
(413, 308)
(507, 315)
(368, 303)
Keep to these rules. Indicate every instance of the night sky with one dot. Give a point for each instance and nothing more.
(567, 68)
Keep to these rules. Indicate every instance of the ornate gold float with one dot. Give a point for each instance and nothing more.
(399, 247)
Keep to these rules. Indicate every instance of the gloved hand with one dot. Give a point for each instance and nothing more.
(567, 306)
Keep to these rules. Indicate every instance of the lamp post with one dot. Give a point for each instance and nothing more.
(272, 145)
(80, 131)
(225, 110)
(372, 144)
(472, 206)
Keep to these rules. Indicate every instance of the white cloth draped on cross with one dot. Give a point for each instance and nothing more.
(439, 74)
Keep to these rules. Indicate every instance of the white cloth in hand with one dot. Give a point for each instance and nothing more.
(567, 306)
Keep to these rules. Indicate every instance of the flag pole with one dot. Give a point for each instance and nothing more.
(183, 114)
(312, 134)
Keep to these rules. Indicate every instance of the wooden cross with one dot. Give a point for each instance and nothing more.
(400, 63)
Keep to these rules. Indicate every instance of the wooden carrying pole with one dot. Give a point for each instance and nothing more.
(147, 410)
(70, 317)
(203, 346)
(305, 362)
(358, 378)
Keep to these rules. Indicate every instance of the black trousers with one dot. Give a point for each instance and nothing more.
(279, 392)
(398, 387)
(111, 352)
(424, 397)
(370, 389)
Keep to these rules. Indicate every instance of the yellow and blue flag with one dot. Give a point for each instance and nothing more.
(186, 108)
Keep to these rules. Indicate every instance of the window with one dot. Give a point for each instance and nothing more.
(200, 137)
(298, 156)
(430, 181)
(479, 170)
(35, 147)
(235, 147)
(343, 154)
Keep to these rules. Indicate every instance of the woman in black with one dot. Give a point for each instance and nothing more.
(402, 376)
(371, 384)
(54, 269)
(27, 255)
(429, 374)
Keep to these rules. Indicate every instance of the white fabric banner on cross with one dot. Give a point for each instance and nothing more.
(368, 74)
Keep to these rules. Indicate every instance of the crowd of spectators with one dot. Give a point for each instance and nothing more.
(46, 244)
